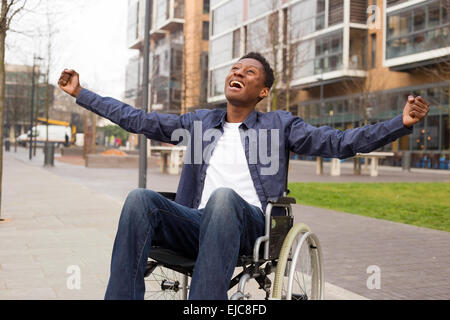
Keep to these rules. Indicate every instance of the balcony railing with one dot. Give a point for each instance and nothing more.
(418, 42)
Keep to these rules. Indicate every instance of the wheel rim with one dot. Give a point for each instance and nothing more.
(299, 271)
(165, 284)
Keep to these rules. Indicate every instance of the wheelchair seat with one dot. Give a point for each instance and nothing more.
(171, 258)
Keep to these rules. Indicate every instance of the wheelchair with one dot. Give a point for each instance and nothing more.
(290, 251)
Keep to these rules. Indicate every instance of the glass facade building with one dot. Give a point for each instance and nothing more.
(166, 54)
(340, 49)
(179, 35)
(319, 33)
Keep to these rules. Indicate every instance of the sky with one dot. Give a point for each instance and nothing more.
(88, 36)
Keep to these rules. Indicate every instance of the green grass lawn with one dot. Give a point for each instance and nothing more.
(420, 204)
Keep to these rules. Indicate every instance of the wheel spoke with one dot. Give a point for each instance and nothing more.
(303, 273)
(154, 281)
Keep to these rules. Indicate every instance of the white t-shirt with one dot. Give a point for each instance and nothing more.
(228, 167)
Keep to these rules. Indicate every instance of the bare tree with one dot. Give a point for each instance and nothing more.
(367, 85)
(282, 45)
(17, 100)
(364, 87)
(10, 8)
(294, 54)
(50, 34)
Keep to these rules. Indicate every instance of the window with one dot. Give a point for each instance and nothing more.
(433, 15)
(320, 15)
(259, 7)
(161, 12)
(221, 50)
(218, 80)
(205, 6)
(373, 55)
(236, 43)
(308, 16)
(419, 29)
(258, 37)
(204, 77)
(137, 21)
(205, 30)
(226, 16)
(419, 19)
(176, 59)
(176, 94)
(156, 65)
(319, 55)
(133, 22)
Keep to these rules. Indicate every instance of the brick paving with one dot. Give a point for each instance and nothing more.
(67, 215)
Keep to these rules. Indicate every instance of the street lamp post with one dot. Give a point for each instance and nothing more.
(320, 78)
(142, 138)
(32, 105)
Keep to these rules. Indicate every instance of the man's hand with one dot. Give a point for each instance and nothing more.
(69, 82)
(415, 110)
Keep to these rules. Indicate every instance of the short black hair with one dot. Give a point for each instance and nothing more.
(269, 78)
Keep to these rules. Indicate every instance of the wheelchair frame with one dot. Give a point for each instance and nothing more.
(252, 265)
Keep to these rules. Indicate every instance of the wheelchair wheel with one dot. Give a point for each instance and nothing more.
(166, 284)
(299, 274)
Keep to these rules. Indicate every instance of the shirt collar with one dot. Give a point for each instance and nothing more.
(249, 122)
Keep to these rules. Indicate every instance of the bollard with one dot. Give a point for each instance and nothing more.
(7, 145)
(406, 161)
(49, 154)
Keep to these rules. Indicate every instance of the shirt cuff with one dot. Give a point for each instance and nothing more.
(84, 98)
(399, 128)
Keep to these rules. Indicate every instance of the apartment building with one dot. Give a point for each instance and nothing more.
(18, 98)
(178, 54)
(342, 63)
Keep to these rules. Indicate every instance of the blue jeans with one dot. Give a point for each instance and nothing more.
(215, 235)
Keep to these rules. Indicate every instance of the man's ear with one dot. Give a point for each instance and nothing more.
(263, 93)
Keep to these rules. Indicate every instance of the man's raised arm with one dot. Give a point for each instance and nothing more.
(156, 126)
(332, 143)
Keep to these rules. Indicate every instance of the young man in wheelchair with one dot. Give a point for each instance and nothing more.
(226, 181)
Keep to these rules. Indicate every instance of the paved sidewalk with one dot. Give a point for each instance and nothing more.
(57, 224)
(69, 201)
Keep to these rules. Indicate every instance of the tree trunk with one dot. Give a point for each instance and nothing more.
(2, 105)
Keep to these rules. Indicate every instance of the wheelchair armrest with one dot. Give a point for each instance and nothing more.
(281, 200)
(169, 195)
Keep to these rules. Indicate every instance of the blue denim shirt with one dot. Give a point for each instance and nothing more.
(293, 134)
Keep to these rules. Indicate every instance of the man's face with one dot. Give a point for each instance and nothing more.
(244, 83)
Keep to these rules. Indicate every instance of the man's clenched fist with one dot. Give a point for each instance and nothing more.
(69, 82)
(415, 110)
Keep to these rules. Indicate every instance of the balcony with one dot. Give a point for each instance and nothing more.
(417, 35)
(169, 15)
(330, 42)
(157, 34)
(327, 58)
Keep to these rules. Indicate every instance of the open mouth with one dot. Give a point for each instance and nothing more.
(236, 84)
